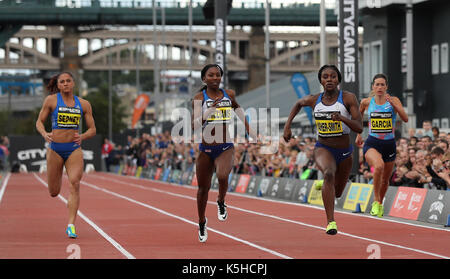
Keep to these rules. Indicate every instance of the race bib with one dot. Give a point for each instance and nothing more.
(222, 113)
(327, 127)
(381, 122)
(68, 117)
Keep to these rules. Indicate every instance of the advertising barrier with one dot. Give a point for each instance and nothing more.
(242, 184)
(432, 206)
(436, 207)
(358, 193)
(31, 151)
(408, 202)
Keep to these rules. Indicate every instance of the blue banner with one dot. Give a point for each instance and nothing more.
(301, 88)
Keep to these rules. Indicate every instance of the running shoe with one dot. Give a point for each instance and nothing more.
(332, 228)
(380, 211)
(375, 208)
(70, 231)
(203, 231)
(318, 185)
(222, 213)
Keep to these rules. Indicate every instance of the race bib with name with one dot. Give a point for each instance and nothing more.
(326, 127)
(222, 113)
(68, 117)
(381, 122)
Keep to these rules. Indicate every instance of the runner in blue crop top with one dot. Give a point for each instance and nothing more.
(66, 111)
(380, 149)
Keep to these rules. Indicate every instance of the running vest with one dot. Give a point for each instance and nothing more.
(381, 120)
(322, 114)
(223, 110)
(64, 117)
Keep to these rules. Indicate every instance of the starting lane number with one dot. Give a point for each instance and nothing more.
(75, 251)
(374, 251)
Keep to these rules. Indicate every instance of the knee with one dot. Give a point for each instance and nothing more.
(75, 186)
(328, 175)
(378, 168)
(223, 178)
(202, 191)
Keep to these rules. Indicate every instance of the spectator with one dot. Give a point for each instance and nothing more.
(426, 126)
(442, 143)
(435, 131)
(107, 147)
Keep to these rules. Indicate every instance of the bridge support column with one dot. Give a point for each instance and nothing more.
(256, 58)
(71, 61)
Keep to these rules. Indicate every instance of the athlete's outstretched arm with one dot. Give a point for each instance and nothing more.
(362, 108)
(395, 102)
(43, 115)
(353, 105)
(240, 113)
(90, 123)
(303, 102)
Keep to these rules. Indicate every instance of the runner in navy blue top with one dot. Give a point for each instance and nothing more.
(213, 108)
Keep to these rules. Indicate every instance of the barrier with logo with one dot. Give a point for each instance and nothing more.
(436, 207)
(408, 202)
(431, 206)
(358, 193)
(31, 151)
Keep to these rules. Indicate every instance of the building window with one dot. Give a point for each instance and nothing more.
(444, 58)
(373, 63)
(366, 68)
(435, 59)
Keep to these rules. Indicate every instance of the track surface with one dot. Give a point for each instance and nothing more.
(123, 217)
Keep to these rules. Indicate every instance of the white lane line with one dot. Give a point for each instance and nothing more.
(336, 210)
(285, 220)
(5, 182)
(275, 253)
(119, 247)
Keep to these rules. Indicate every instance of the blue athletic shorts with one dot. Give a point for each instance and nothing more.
(64, 149)
(213, 151)
(387, 148)
(339, 154)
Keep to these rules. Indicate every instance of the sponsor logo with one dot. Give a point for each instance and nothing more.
(408, 202)
(358, 193)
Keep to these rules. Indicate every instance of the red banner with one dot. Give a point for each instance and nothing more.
(408, 202)
(139, 106)
(194, 181)
(243, 183)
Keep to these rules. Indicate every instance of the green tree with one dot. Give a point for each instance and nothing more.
(99, 104)
(98, 78)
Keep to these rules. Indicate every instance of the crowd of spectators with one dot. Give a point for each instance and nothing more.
(422, 159)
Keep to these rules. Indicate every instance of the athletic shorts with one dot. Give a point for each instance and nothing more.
(386, 148)
(339, 154)
(64, 149)
(214, 151)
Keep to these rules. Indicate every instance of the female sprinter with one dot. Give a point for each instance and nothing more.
(379, 148)
(212, 111)
(66, 111)
(336, 113)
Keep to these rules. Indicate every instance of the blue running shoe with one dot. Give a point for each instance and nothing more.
(70, 231)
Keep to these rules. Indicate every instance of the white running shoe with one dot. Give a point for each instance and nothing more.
(222, 213)
(203, 231)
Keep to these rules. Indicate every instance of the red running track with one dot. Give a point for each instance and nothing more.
(124, 217)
